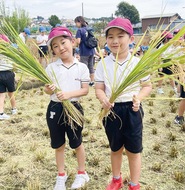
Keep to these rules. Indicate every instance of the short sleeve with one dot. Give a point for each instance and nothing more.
(99, 73)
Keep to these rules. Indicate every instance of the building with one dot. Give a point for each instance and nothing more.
(161, 21)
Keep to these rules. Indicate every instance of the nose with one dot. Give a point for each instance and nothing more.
(61, 47)
(115, 40)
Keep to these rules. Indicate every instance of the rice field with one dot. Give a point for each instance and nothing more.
(27, 161)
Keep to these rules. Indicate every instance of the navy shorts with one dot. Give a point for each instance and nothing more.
(89, 61)
(182, 92)
(124, 127)
(166, 70)
(58, 126)
(43, 50)
(7, 81)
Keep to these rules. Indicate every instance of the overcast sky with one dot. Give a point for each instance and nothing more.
(94, 8)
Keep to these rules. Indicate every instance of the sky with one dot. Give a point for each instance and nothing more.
(93, 9)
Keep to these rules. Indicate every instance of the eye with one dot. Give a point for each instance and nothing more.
(121, 36)
(109, 37)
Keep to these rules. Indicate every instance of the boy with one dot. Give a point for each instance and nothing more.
(43, 48)
(124, 129)
(72, 77)
(7, 82)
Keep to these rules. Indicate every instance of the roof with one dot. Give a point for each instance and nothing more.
(162, 15)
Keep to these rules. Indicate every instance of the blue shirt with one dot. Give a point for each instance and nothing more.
(84, 50)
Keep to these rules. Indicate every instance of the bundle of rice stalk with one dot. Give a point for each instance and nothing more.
(148, 64)
(22, 59)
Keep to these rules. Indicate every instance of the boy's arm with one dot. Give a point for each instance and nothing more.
(146, 88)
(100, 94)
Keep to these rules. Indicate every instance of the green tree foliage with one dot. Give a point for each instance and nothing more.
(18, 18)
(99, 26)
(53, 20)
(128, 11)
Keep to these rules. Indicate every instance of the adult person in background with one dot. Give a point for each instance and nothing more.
(7, 82)
(86, 53)
(42, 39)
(24, 34)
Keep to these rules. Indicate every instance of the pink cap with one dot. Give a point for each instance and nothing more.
(4, 37)
(176, 31)
(121, 23)
(167, 35)
(58, 31)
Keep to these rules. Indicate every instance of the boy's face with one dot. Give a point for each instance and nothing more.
(118, 40)
(62, 47)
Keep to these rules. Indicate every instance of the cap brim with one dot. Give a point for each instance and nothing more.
(114, 27)
(50, 40)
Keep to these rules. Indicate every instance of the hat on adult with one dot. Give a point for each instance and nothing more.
(27, 31)
(4, 37)
(58, 31)
(121, 23)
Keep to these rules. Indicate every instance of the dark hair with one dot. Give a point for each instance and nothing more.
(81, 20)
(106, 33)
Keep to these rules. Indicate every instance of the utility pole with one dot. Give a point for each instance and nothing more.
(82, 9)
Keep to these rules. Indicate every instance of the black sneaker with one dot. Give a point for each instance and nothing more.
(179, 120)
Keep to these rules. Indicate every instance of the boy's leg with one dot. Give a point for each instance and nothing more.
(12, 99)
(181, 108)
(80, 154)
(134, 166)
(116, 161)
(59, 154)
(2, 99)
(81, 177)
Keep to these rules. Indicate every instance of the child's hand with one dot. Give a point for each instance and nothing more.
(51, 87)
(63, 95)
(136, 103)
(106, 104)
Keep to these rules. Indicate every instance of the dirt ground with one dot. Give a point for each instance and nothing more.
(27, 161)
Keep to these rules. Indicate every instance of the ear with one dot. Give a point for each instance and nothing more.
(132, 38)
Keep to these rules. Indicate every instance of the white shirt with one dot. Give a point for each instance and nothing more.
(5, 64)
(118, 71)
(22, 37)
(43, 39)
(67, 78)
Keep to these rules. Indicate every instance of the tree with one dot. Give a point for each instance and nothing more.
(99, 26)
(128, 11)
(53, 20)
(19, 18)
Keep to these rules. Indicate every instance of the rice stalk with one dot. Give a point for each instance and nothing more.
(23, 60)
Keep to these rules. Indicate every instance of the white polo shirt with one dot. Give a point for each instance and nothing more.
(41, 38)
(68, 78)
(5, 64)
(119, 71)
(21, 35)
